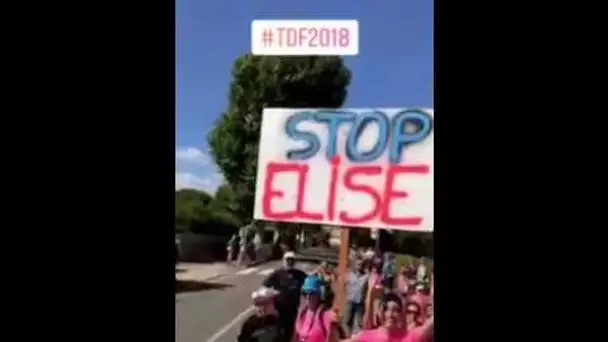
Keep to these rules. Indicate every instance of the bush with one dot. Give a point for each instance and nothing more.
(216, 223)
(200, 213)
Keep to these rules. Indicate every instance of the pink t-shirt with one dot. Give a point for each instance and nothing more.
(425, 304)
(309, 329)
(381, 335)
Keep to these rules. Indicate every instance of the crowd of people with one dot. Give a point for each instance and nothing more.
(383, 303)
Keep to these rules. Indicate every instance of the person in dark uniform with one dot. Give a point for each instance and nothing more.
(287, 281)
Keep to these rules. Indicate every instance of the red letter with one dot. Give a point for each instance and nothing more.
(302, 195)
(331, 201)
(348, 183)
(302, 35)
(269, 192)
(281, 30)
(292, 37)
(389, 194)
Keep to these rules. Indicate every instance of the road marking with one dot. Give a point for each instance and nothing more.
(248, 271)
(266, 272)
(232, 323)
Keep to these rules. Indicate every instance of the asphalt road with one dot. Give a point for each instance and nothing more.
(216, 314)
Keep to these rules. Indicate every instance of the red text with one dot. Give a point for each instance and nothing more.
(313, 37)
(382, 200)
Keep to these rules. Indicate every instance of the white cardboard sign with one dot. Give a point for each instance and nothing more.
(368, 168)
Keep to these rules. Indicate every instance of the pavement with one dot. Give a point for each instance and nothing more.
(215, 312)
(201, 272)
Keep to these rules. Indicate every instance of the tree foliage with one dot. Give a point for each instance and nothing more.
(224, 199)
(189, 208)
(199, 212)
(268, 81)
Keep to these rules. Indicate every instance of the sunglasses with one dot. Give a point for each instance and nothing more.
(308, 293)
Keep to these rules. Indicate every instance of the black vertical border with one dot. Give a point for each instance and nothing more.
(120, 253)
(517, 176)
(100, 98)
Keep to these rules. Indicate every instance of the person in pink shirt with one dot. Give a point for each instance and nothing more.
(403, 282)
(413, 315)
(315, 321)
(373, 295)
(393, 328)
(423, 298)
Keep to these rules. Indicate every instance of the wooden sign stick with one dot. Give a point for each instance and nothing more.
(340, 301)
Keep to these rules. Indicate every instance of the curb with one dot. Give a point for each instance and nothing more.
(203, 278)
(233, 271)
(257, 263)
(208, 279)
(216, 277)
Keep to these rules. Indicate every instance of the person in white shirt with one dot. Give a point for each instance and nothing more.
(231, 247)
(422, 271)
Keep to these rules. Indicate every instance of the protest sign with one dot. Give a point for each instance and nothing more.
(347, 167)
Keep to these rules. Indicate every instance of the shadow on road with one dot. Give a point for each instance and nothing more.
(193, 286)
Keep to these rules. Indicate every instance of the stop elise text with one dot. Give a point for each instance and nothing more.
(392, 138)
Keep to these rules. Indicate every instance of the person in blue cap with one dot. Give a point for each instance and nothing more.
(315, 320)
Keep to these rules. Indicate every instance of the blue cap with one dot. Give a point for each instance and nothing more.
(312, 283)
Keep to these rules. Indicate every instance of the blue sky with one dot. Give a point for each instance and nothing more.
(394, 67)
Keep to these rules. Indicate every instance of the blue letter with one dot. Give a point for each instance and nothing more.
(358, 127)
(333, 121)
(400, 138)
(292, 131)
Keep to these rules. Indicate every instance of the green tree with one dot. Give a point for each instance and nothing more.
(225, 199)
(189, 208)
(199, 212)
(268, 81)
